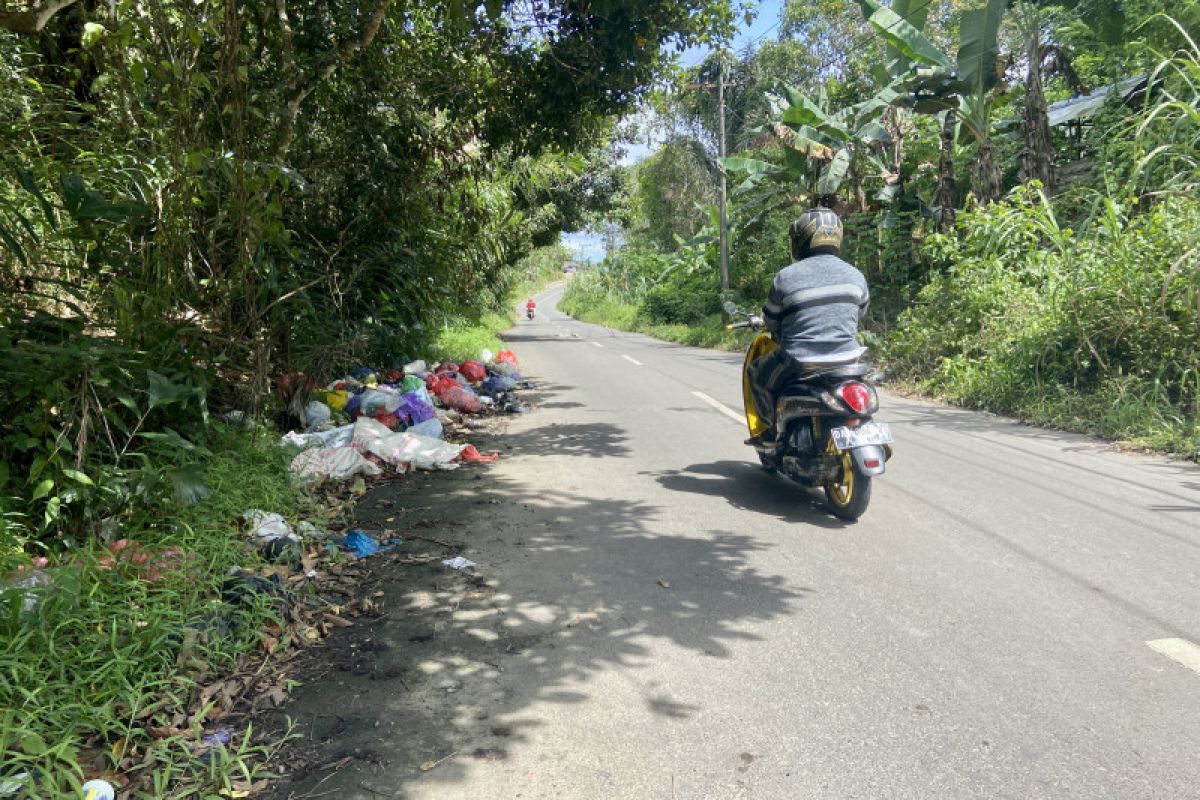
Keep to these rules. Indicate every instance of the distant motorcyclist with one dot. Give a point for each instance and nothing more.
(530, 307)
(813, 312)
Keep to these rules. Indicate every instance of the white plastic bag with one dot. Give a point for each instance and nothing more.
(432, 428)
(334, 437)
(333, 463)
(378, 401)
(266, 527)
(421, 452)
(367, 430)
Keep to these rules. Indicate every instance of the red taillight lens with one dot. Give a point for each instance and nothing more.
(858, 397)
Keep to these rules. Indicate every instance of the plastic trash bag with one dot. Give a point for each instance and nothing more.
(317, 414)
(265, 527)
(415, 367)
(331, 463)
(432, 428)
(334, 437)
(471, 455)
(367, 430)
(506, 370)
(415, 409)
(438, 385)
(462, 399)
(486, 355)
(378, 401)
(412, 383)
(362, 544)
(498, 384)
(507, 357)
(336, 399)
(473, 371)
(420, 452)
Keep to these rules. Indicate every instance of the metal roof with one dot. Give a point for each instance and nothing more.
(1084, 106)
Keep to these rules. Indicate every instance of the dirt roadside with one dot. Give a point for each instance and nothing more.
(417, 688)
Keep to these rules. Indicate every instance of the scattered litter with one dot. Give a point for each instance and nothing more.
(471, 455)
(428, 765)
(98, 790)
(458, 562)
(307, 530)
(362, 544)
(30, 584)
(148, 563)
(11, 784)
(664, 584)
(266, 527)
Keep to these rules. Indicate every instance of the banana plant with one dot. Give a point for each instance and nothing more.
(821, 149)
(965, 87)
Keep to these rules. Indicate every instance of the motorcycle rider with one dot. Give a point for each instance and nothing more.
(529, 307)
(813, 312)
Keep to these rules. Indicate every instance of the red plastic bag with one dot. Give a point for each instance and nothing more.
(507, 357)
(460, 398)
(471, 455)
(438, 385)
(473, 371)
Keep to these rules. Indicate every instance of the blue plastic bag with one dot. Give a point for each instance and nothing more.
(362, 544)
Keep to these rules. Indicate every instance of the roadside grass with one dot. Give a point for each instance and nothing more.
(611, 313)
(1127, 411)
(464, 339)
(101, 676)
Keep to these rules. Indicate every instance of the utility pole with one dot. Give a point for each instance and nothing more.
(721, 200)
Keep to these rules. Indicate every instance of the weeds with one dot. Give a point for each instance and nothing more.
(98, 675)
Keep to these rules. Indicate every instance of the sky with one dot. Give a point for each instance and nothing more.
(588, 246)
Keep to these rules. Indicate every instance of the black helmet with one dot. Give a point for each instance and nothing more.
(817, 227)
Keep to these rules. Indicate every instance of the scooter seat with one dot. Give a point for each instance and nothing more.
(855, 370)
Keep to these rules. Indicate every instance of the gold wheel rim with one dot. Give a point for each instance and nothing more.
(841, 493)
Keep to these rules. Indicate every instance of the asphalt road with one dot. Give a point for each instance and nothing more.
(994, 626)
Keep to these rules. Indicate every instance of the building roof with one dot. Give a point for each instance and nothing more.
(1085, 106)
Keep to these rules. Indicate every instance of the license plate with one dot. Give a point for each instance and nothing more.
(869, 433)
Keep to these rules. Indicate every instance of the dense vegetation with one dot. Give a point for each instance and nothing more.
(197, 198)
(1050, 271)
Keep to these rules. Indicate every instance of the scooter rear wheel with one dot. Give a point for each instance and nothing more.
(768, 463)
(848, 497)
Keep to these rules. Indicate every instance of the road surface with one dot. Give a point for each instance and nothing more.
(1016, 616)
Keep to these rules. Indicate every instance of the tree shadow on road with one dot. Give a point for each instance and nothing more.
(576, 591)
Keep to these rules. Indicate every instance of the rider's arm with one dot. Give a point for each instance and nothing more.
(773, 310)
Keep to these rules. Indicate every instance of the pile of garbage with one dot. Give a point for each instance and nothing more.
(397, 420)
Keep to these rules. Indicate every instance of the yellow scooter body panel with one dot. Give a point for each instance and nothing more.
(762, 346)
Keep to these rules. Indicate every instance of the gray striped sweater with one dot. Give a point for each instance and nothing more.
(814, 309)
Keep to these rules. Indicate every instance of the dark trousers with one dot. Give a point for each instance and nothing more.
(768, 375)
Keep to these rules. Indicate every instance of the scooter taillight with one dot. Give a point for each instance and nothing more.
(858, 397)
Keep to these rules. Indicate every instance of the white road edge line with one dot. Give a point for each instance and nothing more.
(1179, 650)
(597, 344)
(632, 360)
(719, 406)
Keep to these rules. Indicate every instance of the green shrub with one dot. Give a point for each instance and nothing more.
(1095, 329)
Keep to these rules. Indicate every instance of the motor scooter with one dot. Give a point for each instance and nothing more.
(825, 434)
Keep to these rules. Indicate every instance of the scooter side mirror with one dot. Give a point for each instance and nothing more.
(730, 307)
